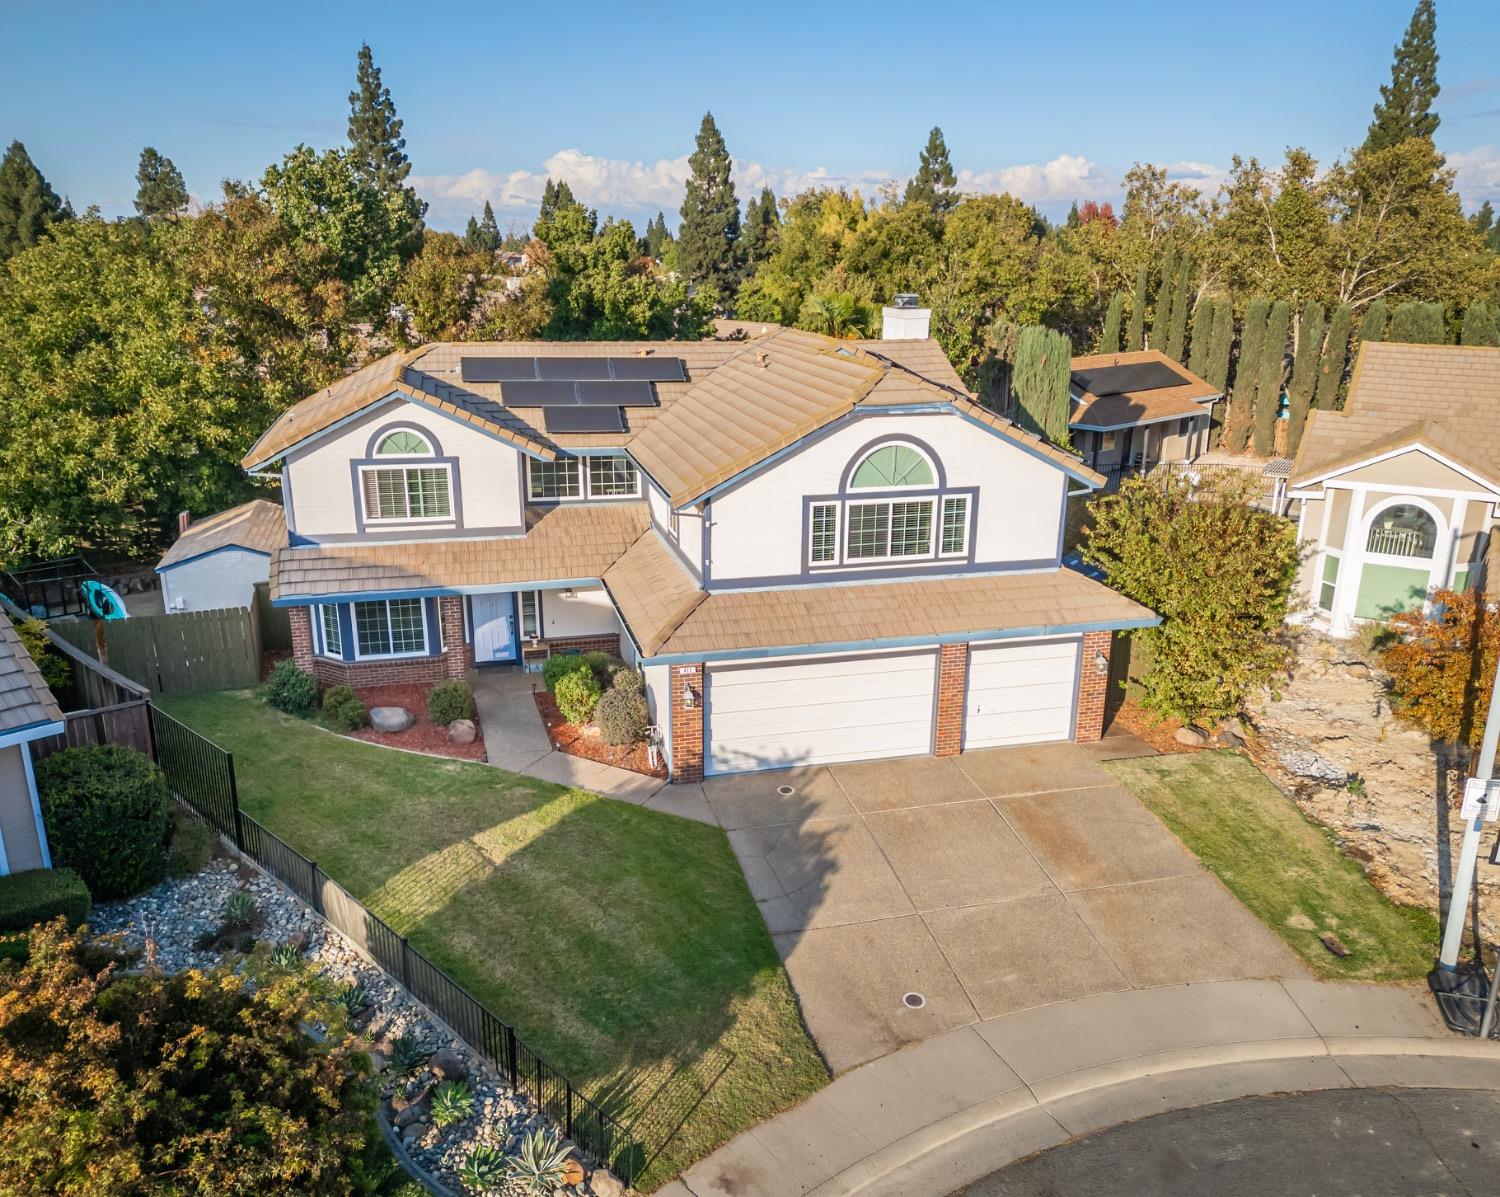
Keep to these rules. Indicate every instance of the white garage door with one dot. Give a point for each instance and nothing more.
(1020, 693)
(819, 710)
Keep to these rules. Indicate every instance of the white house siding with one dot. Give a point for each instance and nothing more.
(23, 849)
(756, 528)
(321, 500)
(223, 579)
(1022, 692)
(588, 613)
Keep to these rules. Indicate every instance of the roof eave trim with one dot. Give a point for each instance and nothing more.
(1416, 442)
(33, 731)
(303, 599)
(164, 566)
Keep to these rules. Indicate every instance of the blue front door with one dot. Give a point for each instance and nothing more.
(494, 627)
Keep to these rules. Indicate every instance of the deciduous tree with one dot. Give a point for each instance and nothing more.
(441, 290)
(160, 190)
(1442, 665)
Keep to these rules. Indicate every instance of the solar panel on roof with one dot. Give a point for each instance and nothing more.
(573, 369)
(1117, 380)
(585, 419)
(648, 369)
(539, 394)
(496, 369)
(616, 394)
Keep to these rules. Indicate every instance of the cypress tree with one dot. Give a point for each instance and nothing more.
(706, 239)
(1405, 107)
(1304, 372)
(160, 190)
(1161, 314)
(1135, 332)
(1372, 323)
(1109, 339)
(1268, 377)
(1335, 357)
(762, 225)
(1074, 217)
(1202, 342)
(1418, 323)
(1177, 327)
(1246, 370)
(27, 202)
(1221, 344)
(1043, 368)
(933, 183)
(1480, 325)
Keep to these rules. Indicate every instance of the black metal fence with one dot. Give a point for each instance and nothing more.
(202, 775)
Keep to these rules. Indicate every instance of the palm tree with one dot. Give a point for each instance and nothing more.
(836, 314)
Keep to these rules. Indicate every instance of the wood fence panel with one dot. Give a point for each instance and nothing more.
(178, 654)
(128, 725)
(275, 623)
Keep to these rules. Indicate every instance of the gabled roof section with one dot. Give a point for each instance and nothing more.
(1444, 397)
(653, 590)
(25, 700)
(1106, 409)
(258, 525)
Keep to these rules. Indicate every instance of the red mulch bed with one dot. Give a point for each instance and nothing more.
(1156, 731)
(570, 738)
(422, 736)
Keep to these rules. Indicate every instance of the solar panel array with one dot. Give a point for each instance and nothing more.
(585, 419)
(1119, 380)
(572, 369)
(576, 394)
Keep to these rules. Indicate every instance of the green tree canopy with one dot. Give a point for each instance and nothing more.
(1481, 324)
(658, 238)
(440, 290)
(160, 190)
(1405, 107)
(28, 205)
(377, 151)
(762, 225)
(933, 183)
(483, 235)
(707, 249)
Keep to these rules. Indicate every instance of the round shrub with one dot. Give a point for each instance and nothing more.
(106, 811)
(602, 664)
(336, 696)
(577, 694)
(449, 701)
(352, 715)
(626, 678)
(622, 716)
(291, 690)
(554, 669)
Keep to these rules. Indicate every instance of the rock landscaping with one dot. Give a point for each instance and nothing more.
(417, 731)
(584, 740)
(444, 1105)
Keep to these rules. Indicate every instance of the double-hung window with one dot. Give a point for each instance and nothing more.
(333, 634)
(955, 542)
(531, 614)
(824, 533)
(390, 628)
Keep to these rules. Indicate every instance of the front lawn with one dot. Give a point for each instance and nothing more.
(623, 944)
(1286, 868)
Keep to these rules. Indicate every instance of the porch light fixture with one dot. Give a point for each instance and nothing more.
(1101, 662)
(689, 698)
(568, 592)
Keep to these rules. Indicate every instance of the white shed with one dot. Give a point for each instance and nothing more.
(217, 561)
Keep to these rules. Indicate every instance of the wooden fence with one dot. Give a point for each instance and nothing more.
(178, 654)
(275, 623)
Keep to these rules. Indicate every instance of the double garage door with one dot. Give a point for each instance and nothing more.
(821, 710)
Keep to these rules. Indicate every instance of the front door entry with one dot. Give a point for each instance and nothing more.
(494, 628)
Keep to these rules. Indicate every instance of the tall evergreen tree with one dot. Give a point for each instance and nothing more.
(762, 224)
(934, 181)
(1246, 371)
(1075, 218)
(1043, 358)
(658, 237)
(1304, 371)
(1177, 325)
(27, 202)
(1203, 332)
(1269, 377)
(1109, 339)
(483, 236)
(1220, 346)
(1372, 323)
(1405, 108)
(558, 198)
(707, 238)
(1481, 326)
(1486, 225)
(1135, 331)
(160, 190)
(1161, 314)
(376, 148)
(1335, 358)
(1418, 323)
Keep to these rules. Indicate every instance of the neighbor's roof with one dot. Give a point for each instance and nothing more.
(258, 525)
(25, 700)
(1125, 408)
(565, 543)
(1446, 397)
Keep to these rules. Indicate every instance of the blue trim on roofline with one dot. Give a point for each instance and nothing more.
(32, 731)
(223, 548)
(371, 596)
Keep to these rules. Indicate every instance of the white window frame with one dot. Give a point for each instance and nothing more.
(832, 505)
(376, 518)
(335, 652)
(583, 469)
(536, 599)
(390, 631)
(963, 549)
(849, 505)
(1318, 582)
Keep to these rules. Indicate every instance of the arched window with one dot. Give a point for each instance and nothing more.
(1402, 530)
(403, 442)
(893, 465)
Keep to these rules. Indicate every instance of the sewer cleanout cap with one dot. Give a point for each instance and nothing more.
(913, 1001)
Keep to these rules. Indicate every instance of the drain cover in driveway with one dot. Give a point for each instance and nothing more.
(785, 791)
(913, 1001)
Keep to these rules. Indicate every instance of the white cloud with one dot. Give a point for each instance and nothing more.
(1478, 174)
(1066, 178)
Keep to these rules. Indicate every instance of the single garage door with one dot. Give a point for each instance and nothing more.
(817, 710)
(1020, 693)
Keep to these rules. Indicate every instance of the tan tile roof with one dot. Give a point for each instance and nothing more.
(25, 699)
(258, 524)
(1135, 407)
(561, 544)
(652, 589)
(1445, 396)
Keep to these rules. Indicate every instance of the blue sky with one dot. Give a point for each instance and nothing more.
(1049, 101)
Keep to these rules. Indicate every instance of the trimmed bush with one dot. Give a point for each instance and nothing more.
(626, 678)
(622, 716)
(577, 695)
(351, 715)
(554, 669)
(106, 809)
(603, 666)
(291, 690)
(192, 846)
(40, 895)
(449, 701)
(336, 696)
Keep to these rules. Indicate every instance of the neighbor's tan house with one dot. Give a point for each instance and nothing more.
(28, 711)
(1396, 494)
(1133, 411)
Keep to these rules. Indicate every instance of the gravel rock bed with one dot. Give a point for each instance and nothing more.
(167, 923)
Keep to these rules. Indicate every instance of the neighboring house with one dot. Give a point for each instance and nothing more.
(1396, 494)
(1132, 411)
(28, 711)
(217, 561)
(816, 550)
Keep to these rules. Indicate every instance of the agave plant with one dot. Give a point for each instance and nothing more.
(239, 910)
(352, 997)
(483, 1169)
(287, 957)
(406, 1054)
(540, 1163)
(452, 1101)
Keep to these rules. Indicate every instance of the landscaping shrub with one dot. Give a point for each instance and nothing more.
(577, 694)
(192, 846)
(41, 895)
(336, 696)
(291, 690)
(484, 1168)
(449, 701)
(351, 714)
(626, 678)
(603, 665)
(554, 669)
(622, 716)
(1436, 682)
(107, 813)
(539, 1163)
(55, 670)
(452, 1101)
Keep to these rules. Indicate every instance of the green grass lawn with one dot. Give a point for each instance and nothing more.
(1285, 867)
(621, 943)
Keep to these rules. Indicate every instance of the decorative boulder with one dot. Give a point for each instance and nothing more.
(448, 1065)
(605, 1184)
(573, 1173)
(391, 719)
(1192, 737)
(462, 731)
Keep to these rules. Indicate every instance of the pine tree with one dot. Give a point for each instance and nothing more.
(376, 147)
(933, 183)
(1220, 346)
(657, 238)
(1304, 372)
(1109, 339)
(160, 190)
(1202, 340)
(1135, 332)
(1268, 378)
(1075, 218)
(27, 202)
(1481, 326)
(707, 237)
(483, 236)
(762, 226)
(1372, 323)
(1335, 357)
(1161, 314)
(1043, 361)
(1177, 326)
(1405, 108)
(558, 198)
(1246, 371)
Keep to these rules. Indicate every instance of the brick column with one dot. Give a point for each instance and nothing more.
(687, 723)
(1093, 688)
(302, 641)
(456, 654)
(953, 675)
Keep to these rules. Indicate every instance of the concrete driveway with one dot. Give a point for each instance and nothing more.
(987, 883)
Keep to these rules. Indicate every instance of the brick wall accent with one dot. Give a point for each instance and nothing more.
(411, 671)
(953, 674)
(586, 644)
(1093, 688)
(687, 723)
(302, 641)
(457, 656)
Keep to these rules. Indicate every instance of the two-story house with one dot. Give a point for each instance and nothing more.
(815, 550)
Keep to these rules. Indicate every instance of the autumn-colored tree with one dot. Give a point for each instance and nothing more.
(1442, 665)
(1090, 211)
